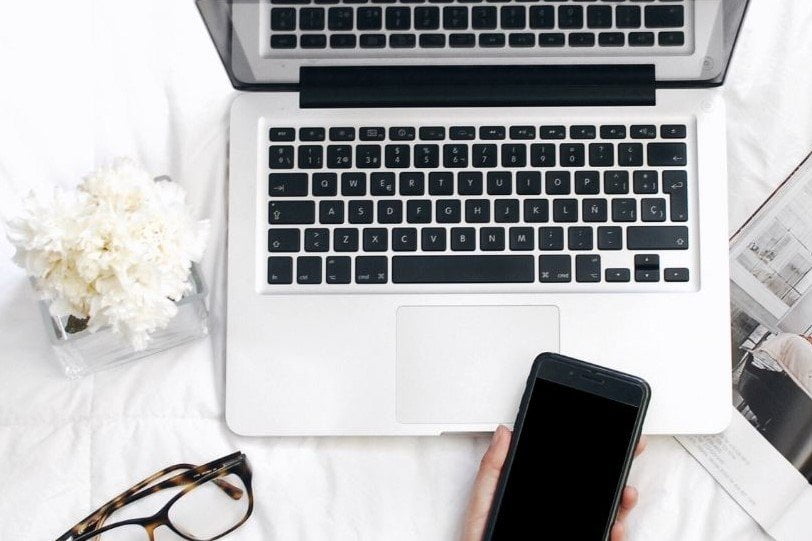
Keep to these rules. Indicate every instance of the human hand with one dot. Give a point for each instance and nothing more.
(476, 517)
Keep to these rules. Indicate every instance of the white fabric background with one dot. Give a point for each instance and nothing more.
(84, 81)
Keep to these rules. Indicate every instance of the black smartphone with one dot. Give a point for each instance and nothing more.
(572, 447)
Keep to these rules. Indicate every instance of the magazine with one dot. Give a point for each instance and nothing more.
(764, 459)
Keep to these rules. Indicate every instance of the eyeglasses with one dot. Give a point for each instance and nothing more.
(213, 500)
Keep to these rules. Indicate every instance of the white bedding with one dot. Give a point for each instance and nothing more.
(85, 81)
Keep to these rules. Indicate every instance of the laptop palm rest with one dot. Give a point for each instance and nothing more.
(468, 364)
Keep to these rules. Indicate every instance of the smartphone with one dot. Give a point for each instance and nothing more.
(570, 454)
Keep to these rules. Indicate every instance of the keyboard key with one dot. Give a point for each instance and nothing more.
(617, 275)
(477, 211)
(483, 18)
(337, 270)
(287, 184)
(506, 210)
(432, 133)
(552, 132)
(671, 39)
(483, 155)
(647, 275)
(500, 183)
(339, 18)
(331, 212)
(397, 156)
(492, 132)
(368, 156)
(557, 183)
(667, 154)
(542, 155)
(418, 211)
(548, 39)
(283, 240)
(587, 183)
(582, 132)
(283, 19)
(673, 131)
(282, 134)
(390, 211)
(404, 239)
(455, 156)
(645, 131)
(551, 238)
(291, 212)
(368, 18)
(371, 270)
(462, 269)
(630, 154)
(601, 154)
(565, 210)
(572, 155)
(375, 239)
(610, 238)
(514, 155)
(536, 210)
(588, 268)
(675, 184)
(627, 16)
(624, 210)
(522, 132)
(372, 41)
(462, 133)
(657, 237)
(353, 184)
(283, 41)
(313, 41)
(360, 212)
(280, 270)
(581, 39)
(426, 18)
(401, 133)
(308, 270)
(441, 183)
(611, 39)
(448, 211)
(665, 16)
(398, 18)
(570, 17)
(469, 183)
(512, 17)
(676, 275)
(645, 182)
(432, 40)
(343, 41)
(652, 209)
(382, 184)
(455, 17)
(461, 40)
(372, 133)
(427, 156)
(432, 239)
(523, 39)
(339, 156)
(311, 134)
(641, 39)
(345, 239)
(412, 183)
(311, 18)
(579, 238)
(599, 16)
(613, 132)
(521, 239)
(463, 239)
(528, 183)
(616, 182)
(342, 134)
(317, 240)
(325, 184)
(542, 17)
(555, 268)
(492, 239)
(280, 157)
(310, 156)
(594, 210)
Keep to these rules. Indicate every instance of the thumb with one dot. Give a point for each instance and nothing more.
(485, 484)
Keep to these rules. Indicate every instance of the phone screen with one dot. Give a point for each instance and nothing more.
(567, 465)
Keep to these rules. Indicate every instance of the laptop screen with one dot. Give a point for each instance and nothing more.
(265, 43)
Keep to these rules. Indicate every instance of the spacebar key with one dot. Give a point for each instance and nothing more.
(462, 269)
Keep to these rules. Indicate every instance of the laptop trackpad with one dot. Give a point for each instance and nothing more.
(468, 364)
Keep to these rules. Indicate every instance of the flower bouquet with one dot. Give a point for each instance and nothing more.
(112, 262)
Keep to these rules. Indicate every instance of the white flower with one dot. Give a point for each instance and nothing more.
(117, 250)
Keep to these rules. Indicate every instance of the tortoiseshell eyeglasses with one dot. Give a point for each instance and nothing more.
(208, 502)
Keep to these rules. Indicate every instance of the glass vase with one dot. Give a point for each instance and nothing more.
(81, 352)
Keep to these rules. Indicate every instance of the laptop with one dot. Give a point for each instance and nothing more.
(425, 195)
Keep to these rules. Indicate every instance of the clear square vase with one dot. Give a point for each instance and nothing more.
(81, 352)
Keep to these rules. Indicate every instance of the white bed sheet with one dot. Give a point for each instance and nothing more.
(84, 81)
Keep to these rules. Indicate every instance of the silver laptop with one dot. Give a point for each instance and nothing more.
(424, 195)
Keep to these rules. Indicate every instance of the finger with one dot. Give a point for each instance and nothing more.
(485, 485)
(627, 502)
(641, 445)
(618, 532)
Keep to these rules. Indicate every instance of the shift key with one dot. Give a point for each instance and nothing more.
(656, 237)
(291, 212)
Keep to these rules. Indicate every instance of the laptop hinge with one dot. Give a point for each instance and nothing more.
(476, 86)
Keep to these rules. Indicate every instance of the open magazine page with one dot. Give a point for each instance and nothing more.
(764, 459)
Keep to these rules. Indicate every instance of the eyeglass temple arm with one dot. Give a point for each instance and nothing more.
(95, 520)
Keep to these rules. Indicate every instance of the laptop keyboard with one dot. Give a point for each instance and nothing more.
(466, 24)
(491, 204)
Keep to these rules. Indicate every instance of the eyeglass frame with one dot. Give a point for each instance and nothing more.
(236, 463)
